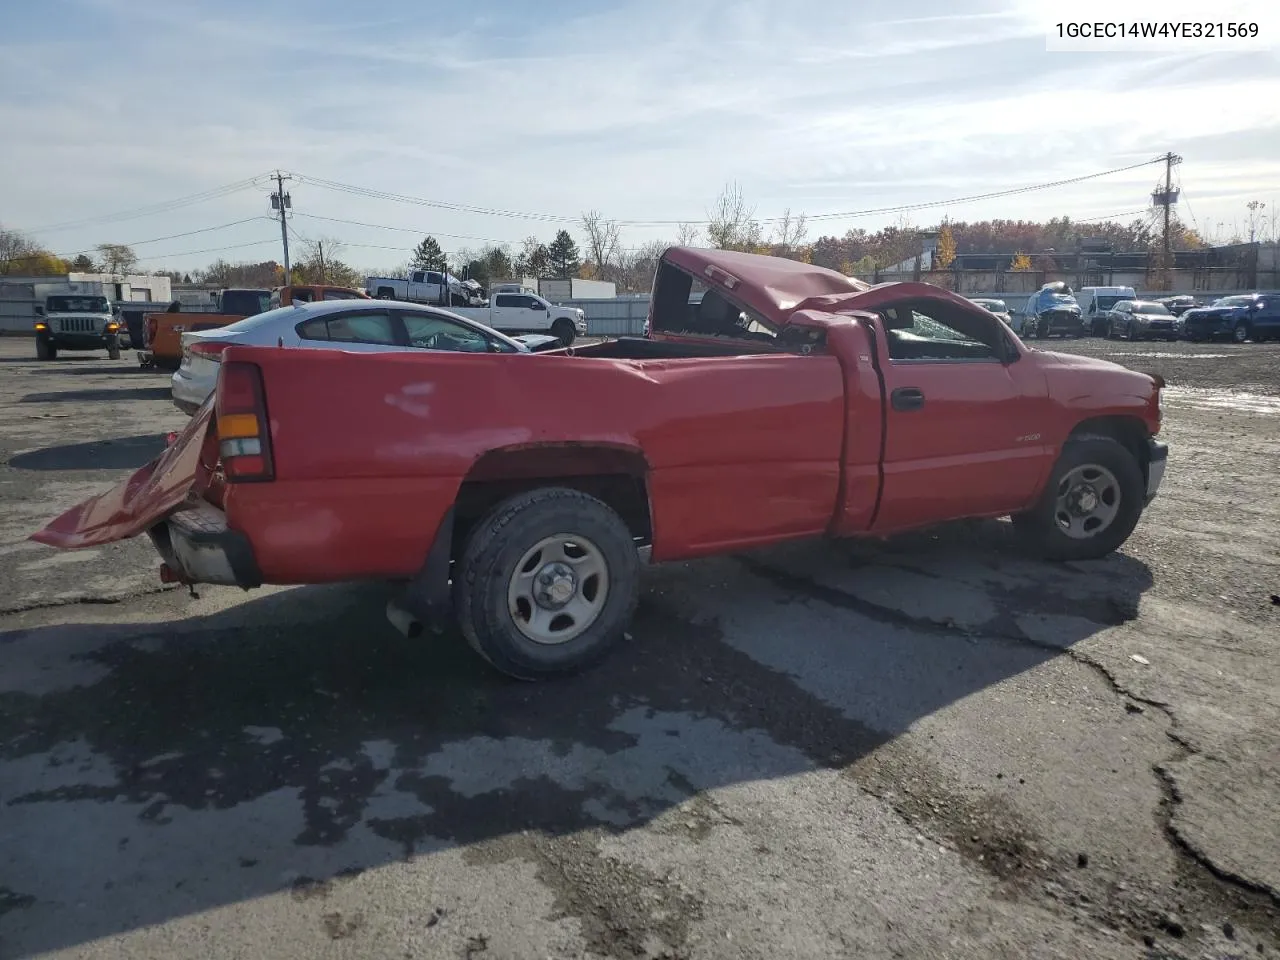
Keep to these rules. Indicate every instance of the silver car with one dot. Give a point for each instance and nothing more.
(1001, 310)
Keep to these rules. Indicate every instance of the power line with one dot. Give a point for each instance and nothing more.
(191, 253)
(165, 206)
(172, 236)
(846, 214)
(414, 230)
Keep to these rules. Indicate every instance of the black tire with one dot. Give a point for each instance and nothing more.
(1240, 332)
(113, 350)
(563, 329)
(1040, 525)
(45, 350)
(501, 540)
(385, 293)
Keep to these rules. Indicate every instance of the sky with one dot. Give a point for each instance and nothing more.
(642, 110)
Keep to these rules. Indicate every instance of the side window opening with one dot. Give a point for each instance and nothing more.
(313, 329)
(430, 332)
(362, 328)
(940, 331)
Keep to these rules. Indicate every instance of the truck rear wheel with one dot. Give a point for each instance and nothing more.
(547, 583)
(45, 350)
(563, 329)
(1091, 503)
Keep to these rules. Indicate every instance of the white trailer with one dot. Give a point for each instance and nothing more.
(576, 289)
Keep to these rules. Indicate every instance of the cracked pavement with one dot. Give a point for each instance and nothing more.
(935, 746)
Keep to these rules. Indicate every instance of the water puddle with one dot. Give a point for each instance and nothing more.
(1201, 398)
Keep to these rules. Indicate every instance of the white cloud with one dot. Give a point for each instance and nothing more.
(641, 110)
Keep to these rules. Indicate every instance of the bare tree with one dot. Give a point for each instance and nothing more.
(641, 263)
(789, 235)
(688, 235)
(603, 241)
(732, 224)
(116, 258)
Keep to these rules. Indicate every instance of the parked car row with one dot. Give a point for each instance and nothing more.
(1119, 312)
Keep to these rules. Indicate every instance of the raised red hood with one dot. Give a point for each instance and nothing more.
(134, 505)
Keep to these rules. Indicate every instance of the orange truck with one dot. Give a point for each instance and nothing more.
(313, 293)
(162, 332)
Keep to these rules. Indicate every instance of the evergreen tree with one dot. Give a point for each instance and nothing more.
(565, 260)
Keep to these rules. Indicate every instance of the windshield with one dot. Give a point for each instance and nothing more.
(77, 305)
(1157, 308)
(1234, 302)
(1106, 303)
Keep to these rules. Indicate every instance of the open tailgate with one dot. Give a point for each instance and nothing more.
(143, 500)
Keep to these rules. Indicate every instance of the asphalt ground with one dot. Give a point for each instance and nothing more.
(932, 747)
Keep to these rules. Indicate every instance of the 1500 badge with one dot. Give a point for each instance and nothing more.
(1030, 437)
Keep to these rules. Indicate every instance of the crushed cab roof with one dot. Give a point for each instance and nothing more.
(772, 286)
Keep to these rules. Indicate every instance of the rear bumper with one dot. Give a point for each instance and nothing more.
(1157, 458)
(198, 547)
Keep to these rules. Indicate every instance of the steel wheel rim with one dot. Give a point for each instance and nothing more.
(1088, 501)
(558, 589)
(1240, 334)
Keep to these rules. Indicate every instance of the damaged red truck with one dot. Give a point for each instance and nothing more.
(512, 492)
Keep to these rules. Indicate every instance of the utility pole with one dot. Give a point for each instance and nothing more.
(320, 256)
(1167, 198)
(281, 201)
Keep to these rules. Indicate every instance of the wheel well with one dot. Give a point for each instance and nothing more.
(1129, 431)
(615, 475)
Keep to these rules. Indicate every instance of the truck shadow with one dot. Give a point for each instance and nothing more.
(121, 453)
(101, 393)
(296, 740)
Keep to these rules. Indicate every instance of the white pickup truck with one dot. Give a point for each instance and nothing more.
(426, 286)
(528, 313)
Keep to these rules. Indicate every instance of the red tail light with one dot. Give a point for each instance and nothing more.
(207, 350)
(244, 434)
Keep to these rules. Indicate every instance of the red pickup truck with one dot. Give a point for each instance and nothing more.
(511, 491)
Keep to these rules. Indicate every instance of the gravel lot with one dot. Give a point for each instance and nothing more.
(934, 747)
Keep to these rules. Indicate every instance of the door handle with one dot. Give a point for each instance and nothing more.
(907, 398)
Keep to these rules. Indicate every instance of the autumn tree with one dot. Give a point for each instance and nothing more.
(22, 256)
(321, 263)
(946, 254)
(427, 255)
(1021, 263)
(565, 260)
(117, 259)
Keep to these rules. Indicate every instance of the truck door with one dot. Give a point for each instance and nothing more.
(507, 311)
(965, 417)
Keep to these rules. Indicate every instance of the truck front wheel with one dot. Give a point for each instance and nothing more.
(547, 583)
(1091, 503)
(45, 350)
(113, 349)
(563, 329)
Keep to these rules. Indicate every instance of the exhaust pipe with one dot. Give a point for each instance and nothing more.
(403, 620)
